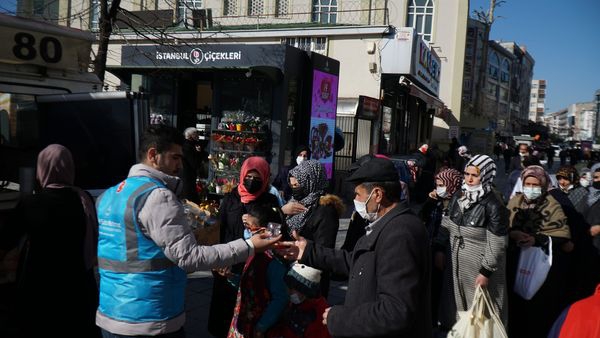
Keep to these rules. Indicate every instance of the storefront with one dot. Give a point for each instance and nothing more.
(246, 99)
(410, 86)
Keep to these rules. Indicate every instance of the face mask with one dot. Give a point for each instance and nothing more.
(253, 186)
(532, 193)
(296, 298)
(300, 159)
(247, 234)
(441, 192)
(584, 182)
(361, 208)
(566, 189)
(596, 184)
(469, 188)
(298, 193)
(522, 154)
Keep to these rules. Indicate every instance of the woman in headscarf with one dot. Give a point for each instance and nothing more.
(319, 221)
(251, 191)
(536, 216)
(592, 218)
(569, 183)
(478, 224)
(447, 183)
(301, 154)
(56, 265)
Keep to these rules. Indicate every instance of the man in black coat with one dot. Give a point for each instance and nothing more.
(389, 269)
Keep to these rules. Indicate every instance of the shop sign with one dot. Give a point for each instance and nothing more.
(368, 108)
(405, 53)
(427, 66)
(205, 56)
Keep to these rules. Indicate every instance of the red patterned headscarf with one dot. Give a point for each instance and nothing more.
(451, 179)
(262, 167)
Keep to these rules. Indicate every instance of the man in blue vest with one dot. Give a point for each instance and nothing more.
(145, 246)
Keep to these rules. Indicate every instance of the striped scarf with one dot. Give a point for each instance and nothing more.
(594, 194)
(487, 172)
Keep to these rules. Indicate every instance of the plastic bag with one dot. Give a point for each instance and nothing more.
(533, 268)
(480, 321)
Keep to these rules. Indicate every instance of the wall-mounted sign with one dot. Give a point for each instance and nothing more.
(368, 108)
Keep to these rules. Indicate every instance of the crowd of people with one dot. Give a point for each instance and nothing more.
(408, 274)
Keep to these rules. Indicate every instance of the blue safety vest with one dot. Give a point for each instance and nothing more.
(137, 281)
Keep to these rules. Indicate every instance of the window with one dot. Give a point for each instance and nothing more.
(493, 65)
(324, 11)
(185, 7)
(256, 7)
(230, 7)
(281, 8)
(420, 17)
(505, 74)
(309, 44)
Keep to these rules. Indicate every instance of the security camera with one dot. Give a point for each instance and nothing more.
(401, 80)
(404, 81)
(249, 73)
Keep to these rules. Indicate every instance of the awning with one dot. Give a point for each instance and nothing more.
(429, 99)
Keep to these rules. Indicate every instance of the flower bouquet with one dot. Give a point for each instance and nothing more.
(251, 143)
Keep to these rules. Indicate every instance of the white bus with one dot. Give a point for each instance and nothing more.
(48, 95)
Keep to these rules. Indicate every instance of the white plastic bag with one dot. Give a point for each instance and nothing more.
(532, 270)
(480, 321)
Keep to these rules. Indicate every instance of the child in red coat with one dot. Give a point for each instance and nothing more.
(304, 315)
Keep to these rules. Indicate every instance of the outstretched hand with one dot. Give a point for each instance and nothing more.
(263, 241)
(293, 208)
(292, 251)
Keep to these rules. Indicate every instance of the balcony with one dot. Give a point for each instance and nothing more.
(352, 13)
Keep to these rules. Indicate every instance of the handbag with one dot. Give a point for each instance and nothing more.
(480, 321)
(532, 270)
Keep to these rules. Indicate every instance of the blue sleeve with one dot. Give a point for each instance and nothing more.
(555, 331)
(275, 192)
(279, 296)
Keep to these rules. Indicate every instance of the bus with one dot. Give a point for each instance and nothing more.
(48, 95)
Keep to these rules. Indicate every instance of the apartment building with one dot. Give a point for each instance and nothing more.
(537, 100)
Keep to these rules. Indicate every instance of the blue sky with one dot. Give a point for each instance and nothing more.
(563, 36)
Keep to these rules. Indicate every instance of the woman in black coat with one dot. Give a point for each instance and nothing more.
(252, 191)
(319, 220)
(55, 281)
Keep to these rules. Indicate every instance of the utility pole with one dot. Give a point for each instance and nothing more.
(595, 133)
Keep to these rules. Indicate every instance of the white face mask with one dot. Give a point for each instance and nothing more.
(532, 193)
(584, 182)
(469, 188)
(441, 192)
(567, 188)
(361, 208)
(300, 159)
(296, 298)
(523, 154)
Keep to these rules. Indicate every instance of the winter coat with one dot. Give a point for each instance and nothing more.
(322, 228)
(389, 273)
(580, 320)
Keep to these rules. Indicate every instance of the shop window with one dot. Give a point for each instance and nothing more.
(230, 7)
(256, 7)
(324, 11)
(281, 7)
(420, 17)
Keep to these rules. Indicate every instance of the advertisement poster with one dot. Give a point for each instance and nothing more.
(322, 122)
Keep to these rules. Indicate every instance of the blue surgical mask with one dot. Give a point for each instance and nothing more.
(532, 193)
(247, 234)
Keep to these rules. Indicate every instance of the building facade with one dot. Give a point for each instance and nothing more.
(537, 100)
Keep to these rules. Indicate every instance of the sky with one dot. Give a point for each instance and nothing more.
(563, 36)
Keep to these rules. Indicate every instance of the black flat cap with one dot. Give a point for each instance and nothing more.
(375, 170)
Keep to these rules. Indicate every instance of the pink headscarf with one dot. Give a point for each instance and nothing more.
(56, 169)
(262, 167)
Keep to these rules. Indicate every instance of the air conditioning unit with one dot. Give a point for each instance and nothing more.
(202, 18)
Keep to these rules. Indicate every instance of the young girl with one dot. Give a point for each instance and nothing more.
(262, 294)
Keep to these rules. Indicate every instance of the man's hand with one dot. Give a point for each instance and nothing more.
(325, 314)
(263, 241)
(595, 230)
(292, 251)
(293, 208)
(481, 280)
(224, 272)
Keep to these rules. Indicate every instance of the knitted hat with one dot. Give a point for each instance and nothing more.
(305, 279)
